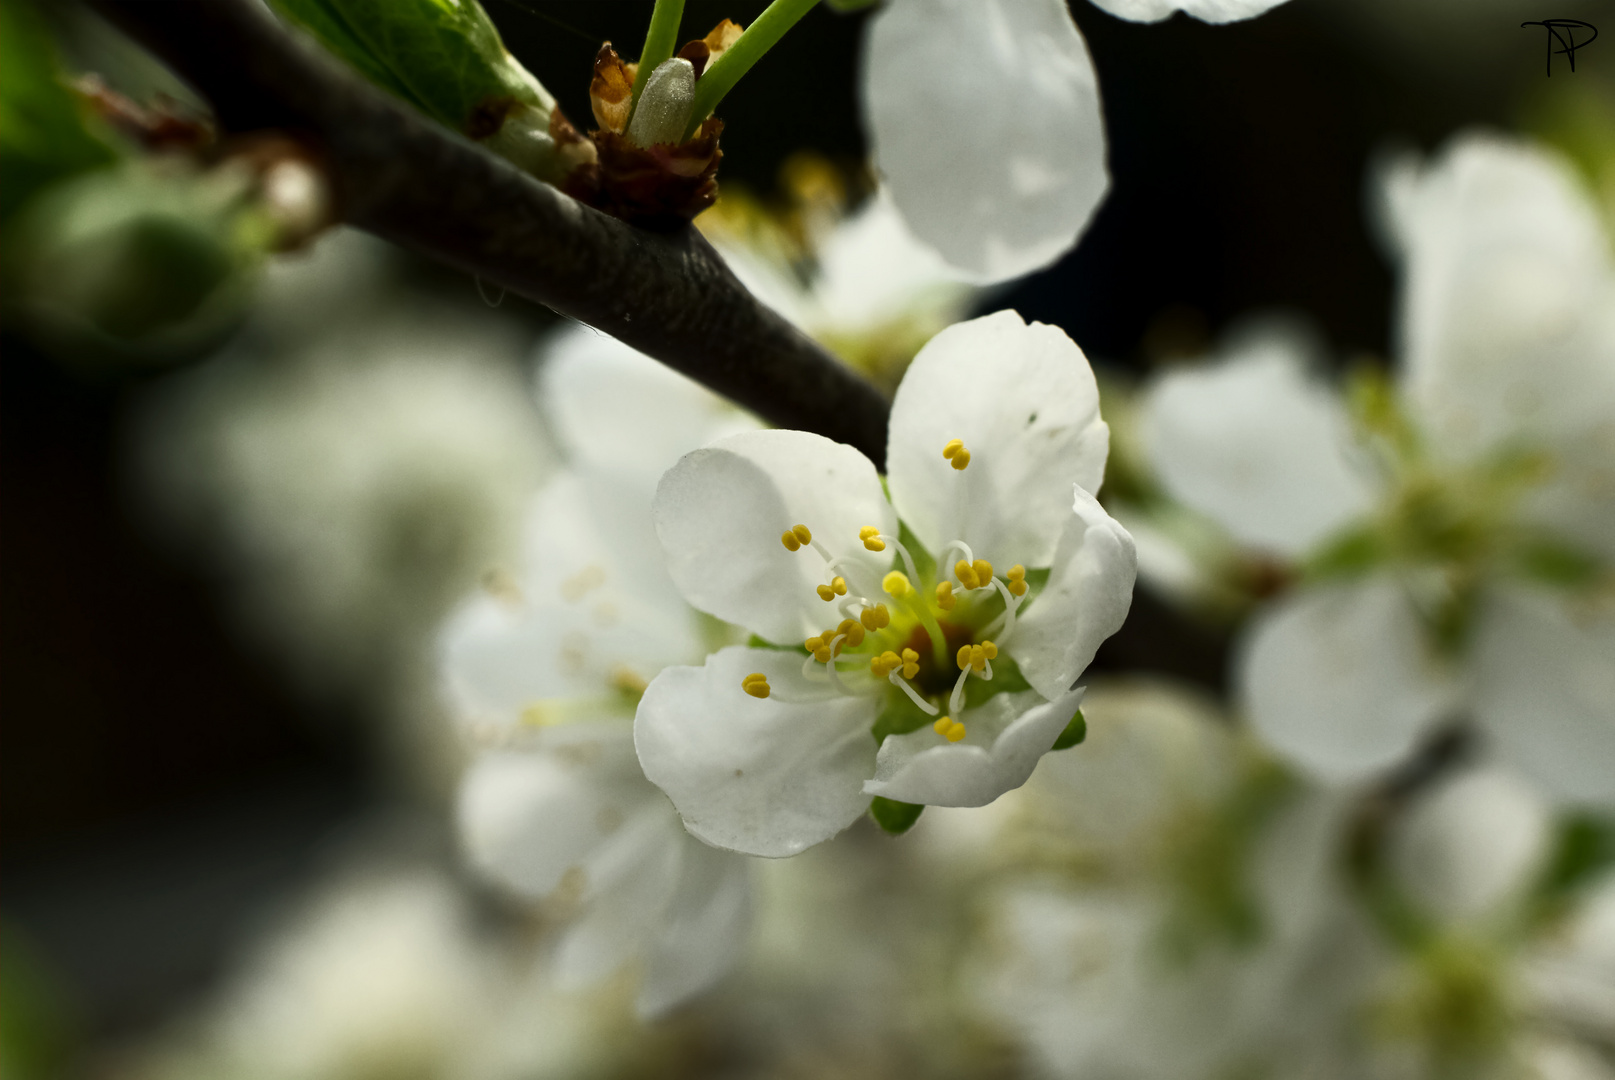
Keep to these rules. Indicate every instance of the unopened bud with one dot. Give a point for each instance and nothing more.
(664, 105)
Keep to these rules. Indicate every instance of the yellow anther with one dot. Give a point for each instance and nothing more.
(813, 644)
(839, 584)
(1017, 580)
(788, 538)
(943, 723)
(944, 596)
(955, 733)
(984, 572)
(896, 584)
(867, 531)
(911, 663)
(965, 573)
(824, 655)
(802, 533)
(854, 632)
(1017, 572)
(826, 593)
(756, 684)
(960, 461)
(884, 664)
(975, 656)
(875, 618)
(870, 535)
(953, 447)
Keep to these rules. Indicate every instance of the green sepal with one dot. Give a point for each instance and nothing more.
(1584, 849)
(443, 56)
(1074, 733)
(895, 817)
(1349, 554)
(44, 130)
(1557, 564)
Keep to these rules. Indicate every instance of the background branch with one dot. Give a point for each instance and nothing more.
(399, 175)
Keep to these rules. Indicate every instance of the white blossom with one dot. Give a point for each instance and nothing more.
(995, 445)
(544, 670)
(1164, 904)
(986, 124)
(1452, 542)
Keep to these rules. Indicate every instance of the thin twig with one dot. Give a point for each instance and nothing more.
(402, 177)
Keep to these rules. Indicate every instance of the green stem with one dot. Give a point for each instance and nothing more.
(723, 73)
(660, 40)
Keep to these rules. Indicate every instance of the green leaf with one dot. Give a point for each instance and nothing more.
(443, 56)
(1074, 733)
(894, 817)
(321, 20)
(44, 135)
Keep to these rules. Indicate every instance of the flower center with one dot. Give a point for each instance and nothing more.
(905, 632)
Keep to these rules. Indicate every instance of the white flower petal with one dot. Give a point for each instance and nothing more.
(720, 512)
(627, 886)
(1545, 691)
(1085, 600)
(1338, 678)
(873, 271)
(1211, 11)
(757, 776)
(1473, 846)
(1004, 740)
(1024, 401)
(1508, 305)
(526, 818)
(613, 406)
(985, 120)
(595, 608)
(1258, 445)
(701, 934)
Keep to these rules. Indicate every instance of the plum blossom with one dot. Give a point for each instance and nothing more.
(545, 668)
(920, 678)
(986, 124)
(1454, 531)
(1165, 904)
(1502, 963)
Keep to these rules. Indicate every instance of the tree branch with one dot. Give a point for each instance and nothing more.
(399, 175)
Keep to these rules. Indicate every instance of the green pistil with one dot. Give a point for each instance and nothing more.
(723, 73)
(939, 644)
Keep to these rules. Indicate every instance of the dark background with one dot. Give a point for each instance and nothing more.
(159, 780)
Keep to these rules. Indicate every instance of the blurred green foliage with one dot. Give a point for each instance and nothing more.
(36, 1030)
(44, 134)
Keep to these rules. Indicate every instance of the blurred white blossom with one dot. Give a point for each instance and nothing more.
(1453, 531)
(1164, 904)
(544, 669)
(354, 461)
